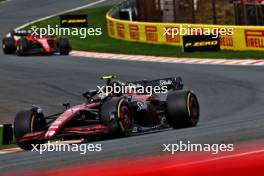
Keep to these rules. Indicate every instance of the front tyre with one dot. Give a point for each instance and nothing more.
(182, 109)
(9, 45)
(28, 121)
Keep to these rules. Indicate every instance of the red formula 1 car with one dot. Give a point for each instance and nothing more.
(24, 42)
(112, 113)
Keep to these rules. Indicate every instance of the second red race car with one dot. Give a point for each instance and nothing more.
(24, 42)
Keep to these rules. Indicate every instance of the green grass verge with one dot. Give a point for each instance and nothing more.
(8, 146)
(106, 44)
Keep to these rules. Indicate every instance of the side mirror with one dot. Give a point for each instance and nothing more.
(88, 95)
(66, 105)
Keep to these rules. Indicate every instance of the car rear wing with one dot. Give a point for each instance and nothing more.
(21, 32)
(171, 83)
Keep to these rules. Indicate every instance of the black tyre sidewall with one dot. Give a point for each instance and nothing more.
(177, 112)
(26, 122)
(10, 45)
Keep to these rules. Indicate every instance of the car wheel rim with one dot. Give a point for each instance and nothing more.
(126, 117)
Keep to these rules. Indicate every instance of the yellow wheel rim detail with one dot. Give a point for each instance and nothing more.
(188, 104)
(32, 123)
(118, 114)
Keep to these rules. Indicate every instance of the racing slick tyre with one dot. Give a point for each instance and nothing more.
(182, 109)
(117, 115)
(28, 121)
(9, 45)
(64, 46)
(22, 47)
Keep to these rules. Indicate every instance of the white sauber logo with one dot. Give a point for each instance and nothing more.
(165, 82)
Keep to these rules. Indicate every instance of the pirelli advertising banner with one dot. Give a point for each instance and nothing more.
(230, 37)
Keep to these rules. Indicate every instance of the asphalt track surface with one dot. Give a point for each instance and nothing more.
(231, 97)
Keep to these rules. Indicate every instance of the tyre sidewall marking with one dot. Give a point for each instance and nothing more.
(32, 123)
(118, 115)
(188, 104)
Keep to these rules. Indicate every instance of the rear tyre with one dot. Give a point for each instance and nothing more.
(22, 47)
(117, 115)
(64, 46)
(28, 121)
(9, 45)
(182, 109)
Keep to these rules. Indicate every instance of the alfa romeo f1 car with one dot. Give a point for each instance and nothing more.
(24, 42)
(114, 114)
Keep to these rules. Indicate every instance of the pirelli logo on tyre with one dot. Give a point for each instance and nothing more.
(192, 43)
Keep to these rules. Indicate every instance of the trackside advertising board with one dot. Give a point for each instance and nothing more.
(241, 38)
(73, 20)
(192, 43)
